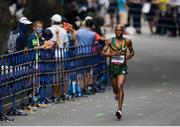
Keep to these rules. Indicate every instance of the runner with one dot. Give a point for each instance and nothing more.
(118, 63)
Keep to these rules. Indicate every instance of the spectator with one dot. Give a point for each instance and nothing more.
(86, 36)
(135, 7)
(34, 37)
(33, 42)
(171, 21)
(152, 14)
(103, 7)
(71, 32)
(61, 43)
(176, 5)
(178, 17)
(112, 11)
(56, 22)
(100, 31)
(122, 11)
(162, 21)
(47, 39)
(18, 38)
(92, 6)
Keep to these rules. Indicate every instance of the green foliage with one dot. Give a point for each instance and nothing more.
(5, 20)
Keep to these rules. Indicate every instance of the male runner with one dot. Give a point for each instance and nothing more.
(118, 63)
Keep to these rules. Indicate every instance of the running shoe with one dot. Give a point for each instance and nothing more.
(119, 114)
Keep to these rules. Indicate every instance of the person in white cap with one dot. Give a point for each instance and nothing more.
(18, 38)
(55, 26)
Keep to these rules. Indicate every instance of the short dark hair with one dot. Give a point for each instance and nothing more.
(37, 22)
(47, 34)
(89, 22)
(98, 21)
(119, 25)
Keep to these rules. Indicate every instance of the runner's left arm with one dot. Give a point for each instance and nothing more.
(131, 50)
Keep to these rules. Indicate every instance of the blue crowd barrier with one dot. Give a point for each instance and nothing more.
(38, 71)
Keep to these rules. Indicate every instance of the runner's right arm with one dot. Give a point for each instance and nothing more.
(109, 54)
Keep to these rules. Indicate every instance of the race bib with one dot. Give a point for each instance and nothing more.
(118, 59)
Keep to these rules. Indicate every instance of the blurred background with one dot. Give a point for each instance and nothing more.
(160, 16)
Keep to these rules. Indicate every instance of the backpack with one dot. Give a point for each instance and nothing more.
(11, 43)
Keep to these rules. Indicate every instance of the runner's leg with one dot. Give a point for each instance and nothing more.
(114, 86)
(120, 82)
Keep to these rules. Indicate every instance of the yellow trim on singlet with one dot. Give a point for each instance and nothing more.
(114, 47)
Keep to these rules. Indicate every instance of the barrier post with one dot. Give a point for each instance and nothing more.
(23, 81)
(14, 111)
(3, 117)
(63, 58)
(41, 81)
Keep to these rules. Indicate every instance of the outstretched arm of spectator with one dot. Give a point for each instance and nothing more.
(101, 38)
(47, 44)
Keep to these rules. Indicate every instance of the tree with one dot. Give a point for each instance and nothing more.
(34, 10)
(43, 10)
(5, 24)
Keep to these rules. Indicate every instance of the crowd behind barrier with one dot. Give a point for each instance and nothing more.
(24, 74)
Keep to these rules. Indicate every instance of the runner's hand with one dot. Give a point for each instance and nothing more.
(128, 57)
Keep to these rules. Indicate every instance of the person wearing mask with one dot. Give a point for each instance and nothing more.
(17, 39)
(34, 42)
(34, 37)
(61, 45)
(56, 26)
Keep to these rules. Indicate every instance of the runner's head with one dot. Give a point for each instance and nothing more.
(119, 30)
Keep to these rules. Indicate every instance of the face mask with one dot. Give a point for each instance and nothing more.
(39, 30)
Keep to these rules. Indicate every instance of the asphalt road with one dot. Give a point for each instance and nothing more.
(152, 93)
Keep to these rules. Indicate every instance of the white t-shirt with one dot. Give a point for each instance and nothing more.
(62, 34)
(63, 39)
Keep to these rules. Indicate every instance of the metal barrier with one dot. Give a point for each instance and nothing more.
(49, 73)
